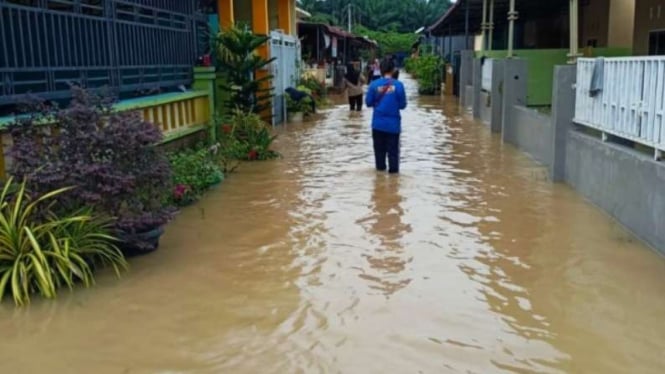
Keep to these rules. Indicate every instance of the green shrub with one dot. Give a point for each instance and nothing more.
(428, 70)
(303, 106)
(194, 172)
(245, 136)
(389, 41)
(41, 252)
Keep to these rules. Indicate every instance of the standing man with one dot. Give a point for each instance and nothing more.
(388, 98)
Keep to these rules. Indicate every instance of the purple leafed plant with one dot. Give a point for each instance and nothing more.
(110, 157)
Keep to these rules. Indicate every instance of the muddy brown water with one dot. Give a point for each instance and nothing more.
(469, 262)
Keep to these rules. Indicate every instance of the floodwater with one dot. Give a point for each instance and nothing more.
(470, 261)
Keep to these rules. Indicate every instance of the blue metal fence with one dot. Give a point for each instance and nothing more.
(128, 45)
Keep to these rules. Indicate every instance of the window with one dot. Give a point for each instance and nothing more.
(657, 43)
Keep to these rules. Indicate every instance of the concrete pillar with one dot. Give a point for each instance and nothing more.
(465, 73)
(284, 16)
(496, 96)
(261, 26)
(483, 26)
(512, 17)
(573, 12)
(204, 80)
(514, 93)
(476, 82)
(563, 111)
(225, 13)
(490, 27)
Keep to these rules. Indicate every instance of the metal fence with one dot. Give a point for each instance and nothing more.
(285, 69)
(132, 46)
(631, 103)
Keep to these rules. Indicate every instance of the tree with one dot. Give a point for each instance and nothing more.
(403, 16)
(237, 59)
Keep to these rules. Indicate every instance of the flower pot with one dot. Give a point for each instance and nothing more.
(140, 243)
(296, 117)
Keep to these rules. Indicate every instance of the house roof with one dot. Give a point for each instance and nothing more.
(302, 13)
(304, 27)
(454, 20)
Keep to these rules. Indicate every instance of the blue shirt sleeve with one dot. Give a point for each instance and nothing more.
(369, 98)
(401, 96)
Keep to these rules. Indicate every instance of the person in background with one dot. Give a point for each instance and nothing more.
(353, 84)
(376, 70)
(388, 98)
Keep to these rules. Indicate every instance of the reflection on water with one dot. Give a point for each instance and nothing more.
(468, 262)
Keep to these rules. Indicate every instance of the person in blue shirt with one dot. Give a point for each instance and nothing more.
(387, 96)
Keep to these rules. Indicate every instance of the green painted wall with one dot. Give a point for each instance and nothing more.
(541, 63)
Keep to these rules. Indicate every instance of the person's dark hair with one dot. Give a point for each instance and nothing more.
(352, 75)
(387, 66)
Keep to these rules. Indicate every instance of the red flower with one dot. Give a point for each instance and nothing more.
(227, 129)
(252, 155)
(180, 190)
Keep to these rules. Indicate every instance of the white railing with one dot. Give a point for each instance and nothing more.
(631, 103)
(486, 71)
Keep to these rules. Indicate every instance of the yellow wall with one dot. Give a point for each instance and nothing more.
(273, 14)
(622, 23)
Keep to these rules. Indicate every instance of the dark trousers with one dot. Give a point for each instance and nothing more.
(356, 102)
(386, 144)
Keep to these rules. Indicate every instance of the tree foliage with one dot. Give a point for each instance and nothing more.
(238, 60)
(389, 41)
(403, 16)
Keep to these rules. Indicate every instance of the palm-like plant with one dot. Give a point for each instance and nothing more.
(238, 60)
(41, 252)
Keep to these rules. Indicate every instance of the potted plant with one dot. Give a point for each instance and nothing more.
(110, 157)
(297, 110)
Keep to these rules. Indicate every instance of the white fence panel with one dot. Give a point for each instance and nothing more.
(487, 75)
(285, 70)
(631, 104)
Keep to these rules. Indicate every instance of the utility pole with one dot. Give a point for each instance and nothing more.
(349, 15)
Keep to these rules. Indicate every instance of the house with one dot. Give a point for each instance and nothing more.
(539, 32)
(150, 53)
(649, 32)
(595, 124)
(147, 52)
(276, 18)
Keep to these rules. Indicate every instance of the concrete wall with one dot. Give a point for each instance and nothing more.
(649, 16)
(485, 108)
(594, 22)
(622, 23)
(626, 184)
(532, 133)
(622, 182)
(468, 93)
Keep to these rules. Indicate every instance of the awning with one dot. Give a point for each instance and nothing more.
(454, 20)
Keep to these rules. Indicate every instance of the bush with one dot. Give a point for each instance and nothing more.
(111, 158)
(428, 70)
(194, 172)
(316, 88)
(303, 106)
(246, 137)
(41, 251)
(389, 42)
